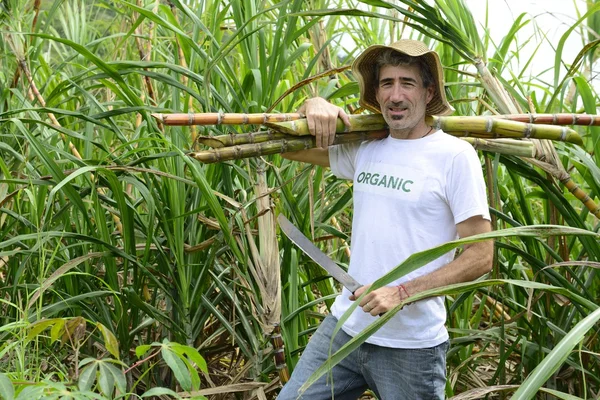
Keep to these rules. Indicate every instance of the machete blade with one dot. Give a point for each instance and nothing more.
(316, 254)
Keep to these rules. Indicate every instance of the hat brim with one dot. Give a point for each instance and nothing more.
(364, 65)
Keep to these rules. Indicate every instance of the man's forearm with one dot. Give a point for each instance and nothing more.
(475, 261)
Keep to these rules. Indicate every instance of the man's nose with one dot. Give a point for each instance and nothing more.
(397, 94)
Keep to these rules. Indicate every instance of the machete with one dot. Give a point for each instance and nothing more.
(316, 254)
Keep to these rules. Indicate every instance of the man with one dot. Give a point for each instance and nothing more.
(414, 190)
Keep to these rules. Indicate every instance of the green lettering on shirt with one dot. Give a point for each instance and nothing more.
(383, 181)
(374, 179)
(387, 181)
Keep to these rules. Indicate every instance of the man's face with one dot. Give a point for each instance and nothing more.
(402, 97)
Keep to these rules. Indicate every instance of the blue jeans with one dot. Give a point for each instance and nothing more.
(393, 374)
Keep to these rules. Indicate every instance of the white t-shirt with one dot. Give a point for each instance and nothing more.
(408, 197)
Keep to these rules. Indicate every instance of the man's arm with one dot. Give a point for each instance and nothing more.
(321, 117)
(474, 261)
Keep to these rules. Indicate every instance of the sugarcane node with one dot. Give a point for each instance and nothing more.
(489, 124)
(563, 134)
(528, 130)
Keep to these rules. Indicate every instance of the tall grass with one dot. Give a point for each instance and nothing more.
(102, 215)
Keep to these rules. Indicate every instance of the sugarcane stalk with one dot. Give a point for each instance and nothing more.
(554, 119)
(279, 353)
(503, 146)
(545, 150)
(516, 147)
(490, 127)
(299, 127)
(242, 138)
(276, 146)
(485, 127)
(291, 143)
(581, 195)
(494, 89)
(183, 119)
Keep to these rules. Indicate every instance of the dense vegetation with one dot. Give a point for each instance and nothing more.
(127, 267)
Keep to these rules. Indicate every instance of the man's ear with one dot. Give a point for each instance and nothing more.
(430, 93)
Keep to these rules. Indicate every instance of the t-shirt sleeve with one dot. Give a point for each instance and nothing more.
(465, 190)
(342, 159)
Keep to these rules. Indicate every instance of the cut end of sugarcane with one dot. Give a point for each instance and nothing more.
(210, 142)
(158, 116)
(296, 128)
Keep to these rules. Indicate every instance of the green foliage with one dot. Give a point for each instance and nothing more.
(112, 238)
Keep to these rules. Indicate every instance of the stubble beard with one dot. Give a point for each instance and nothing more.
(396, 122)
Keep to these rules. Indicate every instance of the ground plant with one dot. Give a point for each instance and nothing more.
(129, 269)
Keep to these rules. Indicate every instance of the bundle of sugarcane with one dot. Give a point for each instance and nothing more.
(289, 132)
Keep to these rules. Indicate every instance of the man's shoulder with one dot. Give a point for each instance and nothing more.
(454, 145)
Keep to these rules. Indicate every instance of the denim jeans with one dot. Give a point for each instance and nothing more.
(393, 374)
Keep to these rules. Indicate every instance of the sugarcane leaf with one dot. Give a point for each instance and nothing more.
(421, 258)
(556, 358)
(498, 62)
(62, 270)
(56, 172)
(589, 103)
(558, 58)
(128, 95)
(346, 90)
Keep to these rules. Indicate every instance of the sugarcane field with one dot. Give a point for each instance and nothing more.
(323, 199)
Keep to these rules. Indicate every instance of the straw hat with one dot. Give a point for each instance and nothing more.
(364, 67)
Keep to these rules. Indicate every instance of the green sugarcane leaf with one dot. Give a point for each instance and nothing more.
(419, 259)
(349, 89)
(556, 358)
(61, 271)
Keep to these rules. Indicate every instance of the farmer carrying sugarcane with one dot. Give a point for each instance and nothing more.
(415, 189)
